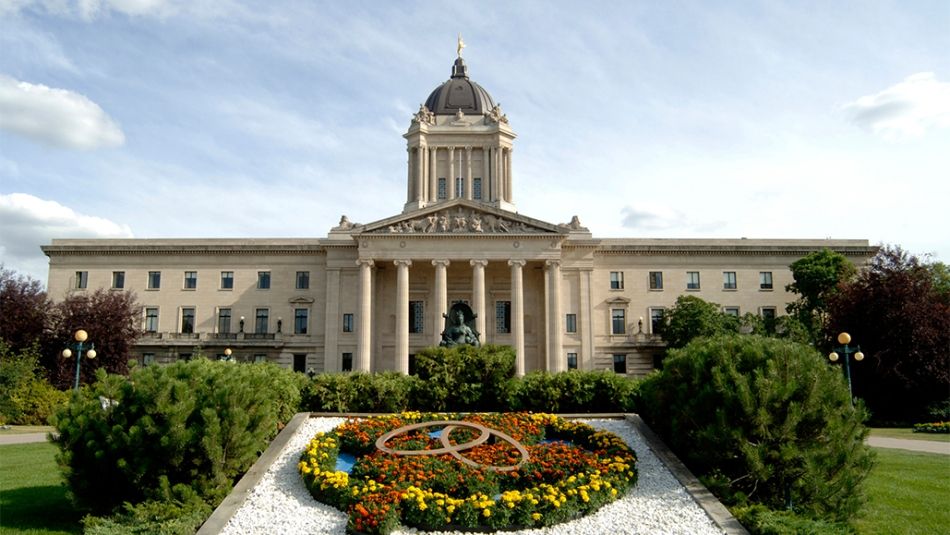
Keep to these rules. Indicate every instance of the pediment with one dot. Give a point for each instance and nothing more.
(300, 300)
(461, 217)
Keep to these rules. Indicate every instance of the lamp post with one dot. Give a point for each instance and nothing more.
(227, 355)
(80, 336)
(844, 339)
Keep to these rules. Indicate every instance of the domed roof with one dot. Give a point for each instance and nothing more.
(459, 93)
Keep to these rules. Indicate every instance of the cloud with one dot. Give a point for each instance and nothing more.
(29, 222)
(647, 217)
(907, 109)
(55, 116)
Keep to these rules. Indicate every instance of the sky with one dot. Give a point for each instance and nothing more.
(679, 119)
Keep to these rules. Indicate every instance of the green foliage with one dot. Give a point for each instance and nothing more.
(692, 317)
(24, 310)
(760, 520)
(26, 398)
(359, 392)
(464, 378)
(180, 511)
(572, 392)
(762, 420)
(200, 424)
(817, 276)
(932, 427)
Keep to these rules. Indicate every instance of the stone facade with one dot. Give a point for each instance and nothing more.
(369, 296)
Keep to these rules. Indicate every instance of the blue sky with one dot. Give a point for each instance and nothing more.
(191, 118)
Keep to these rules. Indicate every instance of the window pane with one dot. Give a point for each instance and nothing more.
(477, 188)
(572, 361)
(620, 364)
(618, 320)
(154, 280)
(729, 280)
(227, 280)
(656, 280)
(224, 320)
(300, 320)
(656, 319)
(82, 279)
(416, 317)
(692, 280)
(347, 323)
(261, 317)
(191, 280)
(118, 279)
(616, 280)
(502, 317)
(765, 280)
(731, 311)
(303, 280)
(347, 362)
(187, 320)
(151, 320)
(263, 280)
(442, 192)
(571, 326)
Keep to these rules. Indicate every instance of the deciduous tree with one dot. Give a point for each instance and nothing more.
(692, 317)
(817, 276)
(24, 310)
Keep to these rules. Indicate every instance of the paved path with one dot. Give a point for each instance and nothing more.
(24, 438)
(927, 446)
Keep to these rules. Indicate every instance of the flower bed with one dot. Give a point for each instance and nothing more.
(934, 427)
(575, 474)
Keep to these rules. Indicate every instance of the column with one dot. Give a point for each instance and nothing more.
(409, 175)
(420, 162)
(511, 190)
(586, 320)
(486, 176)
(478, 295)
(468, 174)
(402, 315)
(450, 176)
(555, 358)
(499, 180)
(331, 359)
(517, 313)
(441, 298)
(433, 175)
(363, 362)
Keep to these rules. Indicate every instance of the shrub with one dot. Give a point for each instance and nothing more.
(26, 397)
(358, 392)
(934, 427)
(463, 378)
(763, 420)
(572, 392)
(760, 520)
(179, 512)
(200, 424)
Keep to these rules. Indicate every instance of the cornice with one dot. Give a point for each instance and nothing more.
(94, 249)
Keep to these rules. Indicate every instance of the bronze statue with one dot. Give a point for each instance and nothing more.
(459, 327)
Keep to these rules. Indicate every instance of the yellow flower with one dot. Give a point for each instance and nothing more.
(486, 513)
(535, 516)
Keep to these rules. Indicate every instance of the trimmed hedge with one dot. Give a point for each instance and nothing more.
(464, 378)
(359, 392)
(572, 392)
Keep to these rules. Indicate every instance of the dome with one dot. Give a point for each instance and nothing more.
(459, 93)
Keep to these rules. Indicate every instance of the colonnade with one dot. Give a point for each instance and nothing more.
(423, 179)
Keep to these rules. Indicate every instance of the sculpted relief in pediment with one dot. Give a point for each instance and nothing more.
(459, 220)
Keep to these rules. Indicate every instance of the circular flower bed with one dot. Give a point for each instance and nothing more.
(470, 481)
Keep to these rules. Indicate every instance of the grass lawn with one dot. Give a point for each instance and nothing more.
(899, 432)
(23, 429)
(908, 493)
(32, 498)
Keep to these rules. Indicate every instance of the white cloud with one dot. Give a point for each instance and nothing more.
(652, 217)
(55, 116)
(29, 222)
(907, 109)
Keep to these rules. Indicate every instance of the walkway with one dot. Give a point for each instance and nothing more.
(25, 438)
(926, 446)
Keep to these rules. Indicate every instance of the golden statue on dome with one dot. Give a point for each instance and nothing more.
(461, 45)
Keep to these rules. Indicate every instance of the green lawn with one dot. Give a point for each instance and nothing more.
(897, 432)
(908, 493)
(32, 498)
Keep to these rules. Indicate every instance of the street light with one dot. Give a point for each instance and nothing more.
(80, 336)
(844, 339)
(227, 355)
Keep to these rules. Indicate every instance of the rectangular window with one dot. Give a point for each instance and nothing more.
(692, 280)
(618, 321)
(768, 313)
(502, 317)
(416, 317)
(82, 279)
(731, 311)
(571, 323)
(442, 193)
(148, 359)
(118, 279)
(227, 280)
(477, 188)
(263, 280)
(300, 362)
(303, 280)
(151, 320)
(154, 280)
(620, 364)
(261, 320)
(301, 317)
(347, 362)
(656, 319)
(191, 280)
(260, 357)
(347, 323)
(459, 187)
(224, 320)
(656, 280)
(616, 280)
(187, 320)
(765, 280)
(728, 280)
(572, 361)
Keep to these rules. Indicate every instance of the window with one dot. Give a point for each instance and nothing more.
(82, 279)
(656, 319)
(728, 280)
(300, 362)
(154, 280)
(227, 280)
(224, 320)
(303, 280)
(442, 193)
(184, 356)
(618, 321)
(187, 320)
(151, 320)
(477, 188)
(768, 318)
(692, 280)
(656, 280)
(571, 324)
(765, 280)
(301, 317)
(148, 359)
(502, 317)
(191, 280)
(263, 280)
(118, 279)
(260, 357)
(620, 364)
(731, 311)
(616, 280)
(261, 319)
(347, 362)
(459, 187)
(347, 323)
(416, 317)
(572, 361)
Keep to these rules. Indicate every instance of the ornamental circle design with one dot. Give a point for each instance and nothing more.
(448, 426)
(516, 244)
(402, 245)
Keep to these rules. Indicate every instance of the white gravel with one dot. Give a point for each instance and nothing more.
(280, 504)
